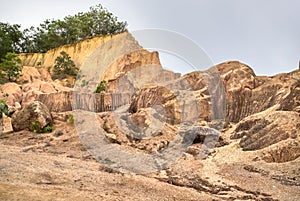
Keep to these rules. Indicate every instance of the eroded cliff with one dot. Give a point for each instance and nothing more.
(78, 52)
(254, 154)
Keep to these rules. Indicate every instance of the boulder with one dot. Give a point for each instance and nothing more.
(12, 93)
(33, 117)
(13, 109)
(41, 86)
(45, 75)
(32, 86)
(29, 74)
(46, 87)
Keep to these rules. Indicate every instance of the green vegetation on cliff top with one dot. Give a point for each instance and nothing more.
(52, 34)
(55, 33)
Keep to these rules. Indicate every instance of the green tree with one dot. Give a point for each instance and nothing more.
(64, 66)
(10, 67)
(10, 39)
(28, 40)
(54, 33)
(99, 21)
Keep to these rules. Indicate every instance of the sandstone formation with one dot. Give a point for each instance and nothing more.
(78, 52)
(12, 92)
(248, 94)
(276, 133)
(130, 61)
(221, 134)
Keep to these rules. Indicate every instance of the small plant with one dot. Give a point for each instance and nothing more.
(105, 128)
(84, 83)
(3, 107)
(35, 126)
(101, 87)
(48, 129)
(39, 63)
(71, 118)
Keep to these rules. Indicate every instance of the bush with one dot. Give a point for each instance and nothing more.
(3, 108)
(37, 129)
(101, 87)
(10, 67)
(71, 118)
(105, 128)
(55, 33)
(48, 129)
(84, 83)
(64, 66)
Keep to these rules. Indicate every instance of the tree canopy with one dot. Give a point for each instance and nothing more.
(64, 66)
(54, 33)
(10, 39)
(10, 67)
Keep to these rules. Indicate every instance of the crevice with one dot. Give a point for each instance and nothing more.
(202, 185)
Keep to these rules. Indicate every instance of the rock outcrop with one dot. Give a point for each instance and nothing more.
(12, 92)
(276, 133)
(152, 96)
(248, 94)
(33, 117)
(132, 60)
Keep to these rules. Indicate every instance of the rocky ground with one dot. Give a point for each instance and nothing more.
(56, 166)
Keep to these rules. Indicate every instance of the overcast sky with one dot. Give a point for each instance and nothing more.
(265, 34)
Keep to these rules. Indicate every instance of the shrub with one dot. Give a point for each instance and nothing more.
(64, 66)
(84, 83)
(48, 129)
(101, 87)
(10, 67)
(35, 126)
(105, 128)
(3, 108)
(71, 118)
